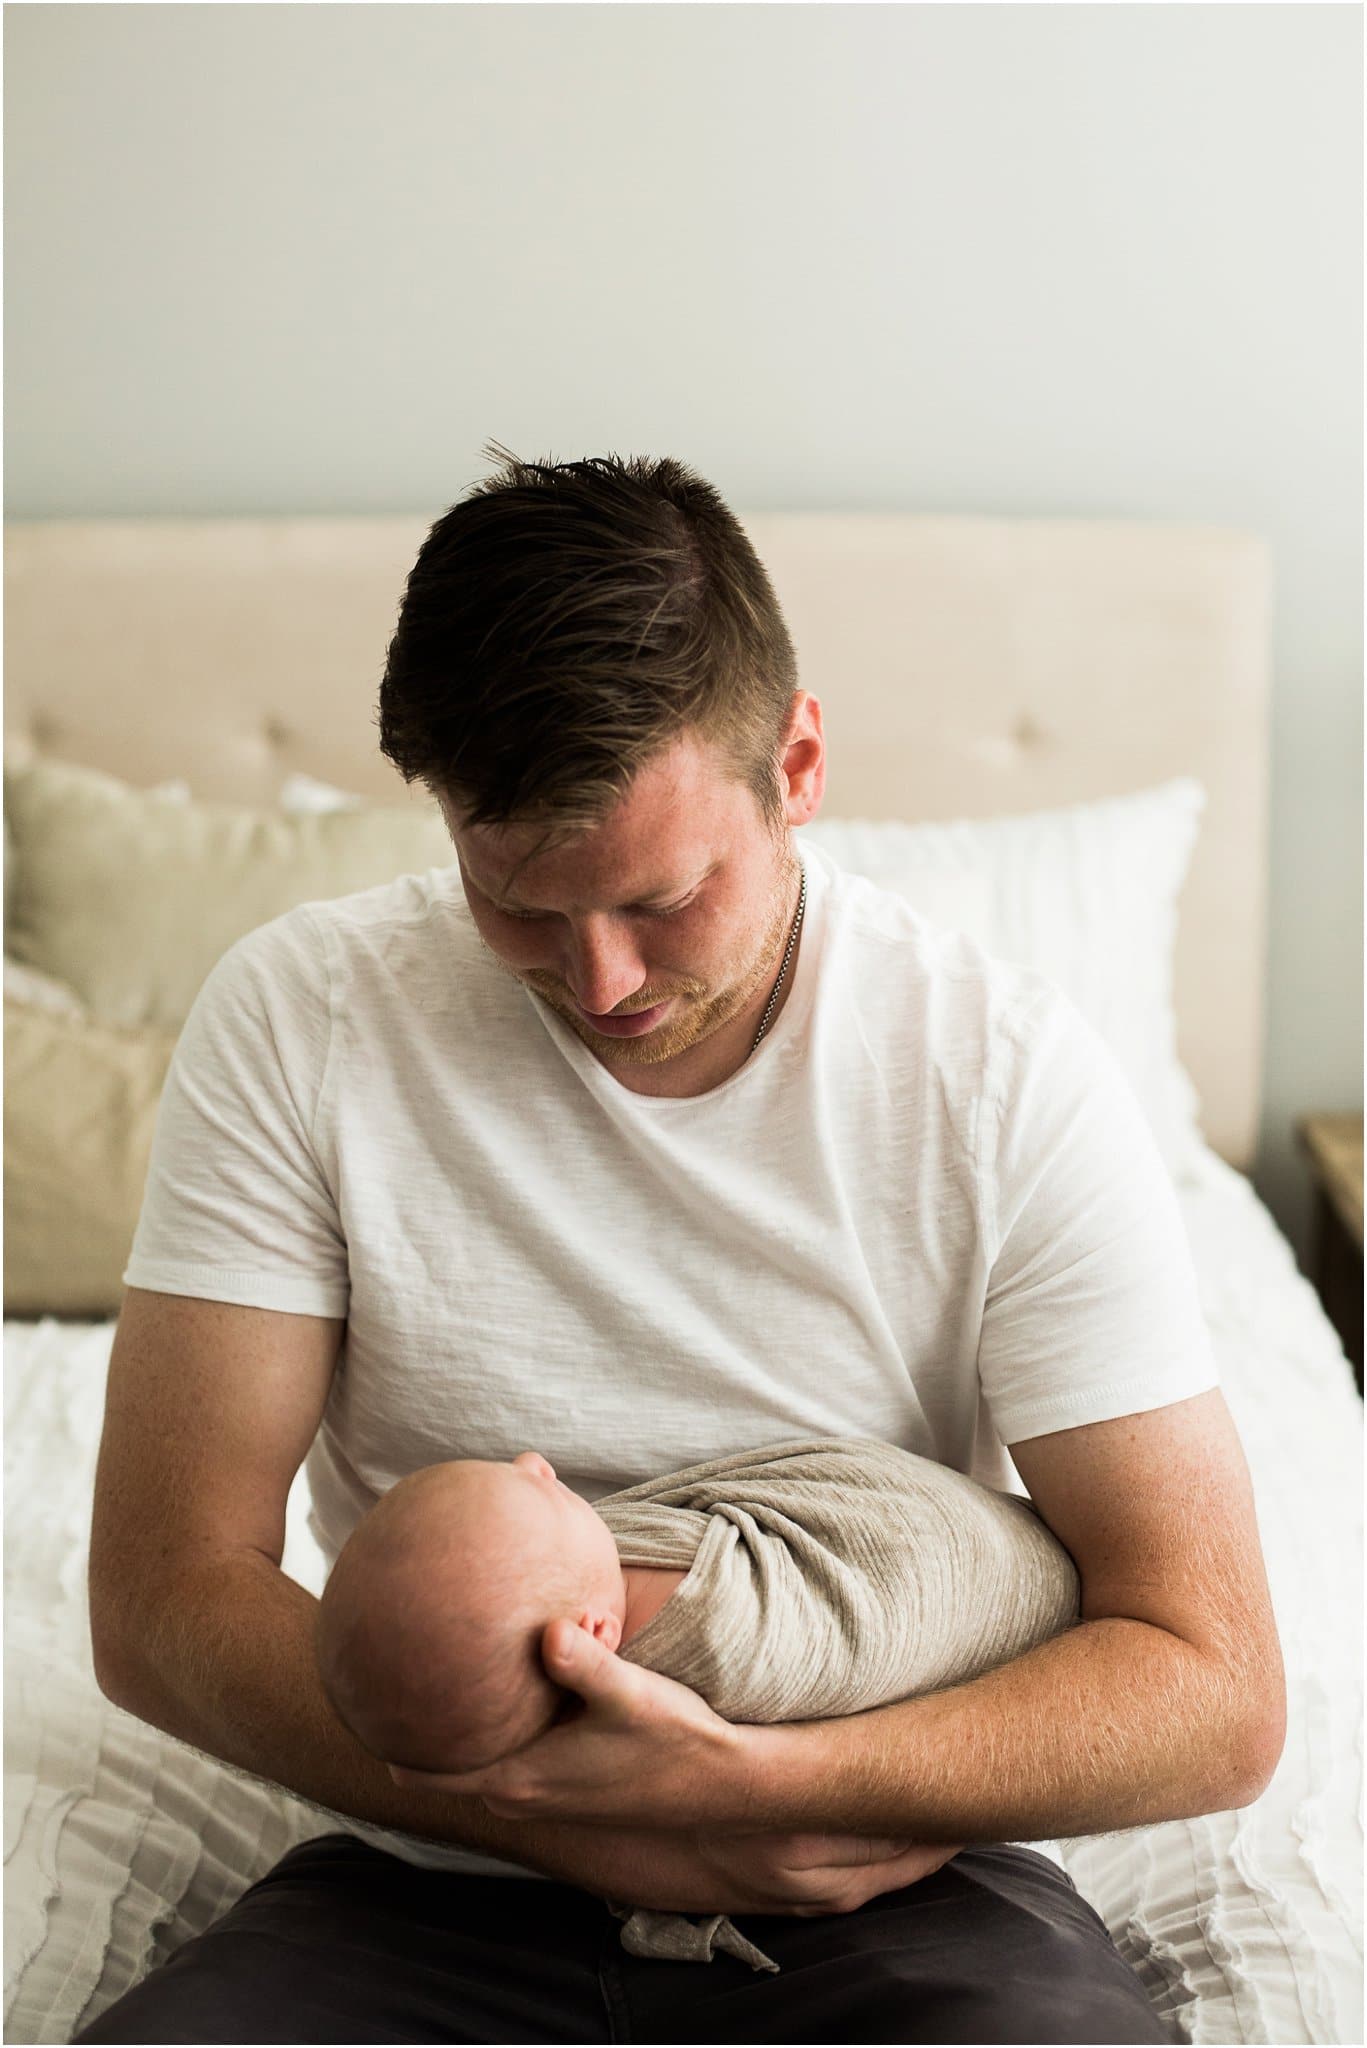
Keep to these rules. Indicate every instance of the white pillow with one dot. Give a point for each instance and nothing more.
(1087, 896)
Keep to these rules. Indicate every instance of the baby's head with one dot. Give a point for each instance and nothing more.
(429, 1628)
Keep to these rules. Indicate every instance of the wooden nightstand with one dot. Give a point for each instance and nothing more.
(1334, 1147)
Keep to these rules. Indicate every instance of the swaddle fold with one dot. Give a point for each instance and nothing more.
(826, 1576)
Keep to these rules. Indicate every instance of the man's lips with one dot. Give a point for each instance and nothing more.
(630, 1026)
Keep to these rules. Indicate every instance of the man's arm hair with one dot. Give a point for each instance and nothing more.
(210, 1410)
(1167, 1699)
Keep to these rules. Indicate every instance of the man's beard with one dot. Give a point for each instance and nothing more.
(700, 1013)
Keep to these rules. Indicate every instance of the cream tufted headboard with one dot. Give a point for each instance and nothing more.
(967, 668)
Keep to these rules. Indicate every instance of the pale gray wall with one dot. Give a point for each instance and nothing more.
(1025, 259)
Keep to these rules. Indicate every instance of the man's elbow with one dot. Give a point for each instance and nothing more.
(117, 1626)
(114, 1666)
(1256, 1749)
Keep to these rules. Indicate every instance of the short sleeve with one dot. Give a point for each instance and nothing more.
(236, 1205)
(1092, 1308)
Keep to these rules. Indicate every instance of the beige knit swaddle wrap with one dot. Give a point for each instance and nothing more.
(827, 1576)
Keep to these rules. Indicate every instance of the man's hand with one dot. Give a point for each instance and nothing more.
(678, 1870)
(643, 1756)
(807, 1875)
(641, 1751)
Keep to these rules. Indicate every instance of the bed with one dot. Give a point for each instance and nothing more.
(1047, 731)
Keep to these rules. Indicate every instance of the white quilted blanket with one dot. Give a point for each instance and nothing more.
(1246, 1927)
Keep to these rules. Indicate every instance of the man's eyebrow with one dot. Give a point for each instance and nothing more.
(666, 894)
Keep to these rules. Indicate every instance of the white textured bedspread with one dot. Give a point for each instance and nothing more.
(1246, 1927)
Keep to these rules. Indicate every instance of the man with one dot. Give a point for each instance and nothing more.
(641, 1136)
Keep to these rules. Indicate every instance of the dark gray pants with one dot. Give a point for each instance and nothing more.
(340, 1942)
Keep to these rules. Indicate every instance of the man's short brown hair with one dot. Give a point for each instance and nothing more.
(564, 622)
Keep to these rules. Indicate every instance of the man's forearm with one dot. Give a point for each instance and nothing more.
(225, 1662)
(1114, 1724)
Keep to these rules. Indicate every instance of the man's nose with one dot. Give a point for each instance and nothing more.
(604, 965)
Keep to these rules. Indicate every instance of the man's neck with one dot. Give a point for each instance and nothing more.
(700, 1068)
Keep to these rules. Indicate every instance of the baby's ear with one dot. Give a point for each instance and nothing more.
(605, 1628)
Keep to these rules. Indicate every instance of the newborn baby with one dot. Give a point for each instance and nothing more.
(793, 1582)
(430, 1625)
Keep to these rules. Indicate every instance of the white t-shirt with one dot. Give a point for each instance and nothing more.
(927, 1209)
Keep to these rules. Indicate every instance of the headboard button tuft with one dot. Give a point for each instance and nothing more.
(1028, 735)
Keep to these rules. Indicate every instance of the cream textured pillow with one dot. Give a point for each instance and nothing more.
(80, 1107)
(119, 901)
(40, 992)
(130, 898)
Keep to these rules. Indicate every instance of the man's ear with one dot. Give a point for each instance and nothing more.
(802, 762)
